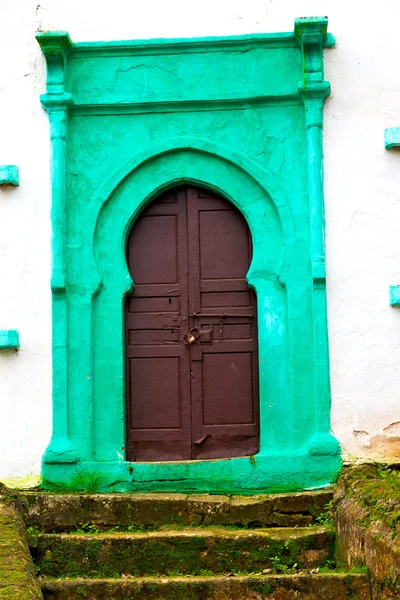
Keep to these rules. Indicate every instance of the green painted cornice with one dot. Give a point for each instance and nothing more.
(55, 42)
(56, 101)
(312, 33)
(55, 46)
(65, 58)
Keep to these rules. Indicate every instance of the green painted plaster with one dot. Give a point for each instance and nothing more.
(9, 175)
(9, 339)
(241, 116)
(394, 295)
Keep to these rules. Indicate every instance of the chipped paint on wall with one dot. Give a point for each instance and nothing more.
(381, 444)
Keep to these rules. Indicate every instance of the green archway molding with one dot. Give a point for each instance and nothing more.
(243, 117)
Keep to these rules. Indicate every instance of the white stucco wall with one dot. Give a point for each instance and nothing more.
(362, 194)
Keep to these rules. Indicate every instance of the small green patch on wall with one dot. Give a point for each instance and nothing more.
(9, 339)
(9, 175)
(241, 116)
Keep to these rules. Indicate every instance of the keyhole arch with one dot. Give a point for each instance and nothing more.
(198, 245)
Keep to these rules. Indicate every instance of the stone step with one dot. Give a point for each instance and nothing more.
(330, 586)
(64, 512)
(192, 551)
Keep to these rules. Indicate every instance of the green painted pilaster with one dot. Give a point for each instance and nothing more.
(312, 33)
(56, 102)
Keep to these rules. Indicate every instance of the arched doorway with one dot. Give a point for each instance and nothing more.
(263, 151)
(190, 332)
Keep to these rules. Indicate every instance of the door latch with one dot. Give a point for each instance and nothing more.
(206, 335)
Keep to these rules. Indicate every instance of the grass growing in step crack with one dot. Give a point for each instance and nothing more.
(261, 588)
(279, 567)
(87, 528)
(325, 518)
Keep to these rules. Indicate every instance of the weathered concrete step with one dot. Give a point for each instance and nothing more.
(190, 551)
(63, 512)
(284, 587)
(17, 573)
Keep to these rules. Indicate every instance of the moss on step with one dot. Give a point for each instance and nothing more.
(66, 512)
(366, 507)
(17, 576)
(285, 587)
(192, 551)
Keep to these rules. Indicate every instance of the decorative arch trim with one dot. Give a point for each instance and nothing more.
(255, 138)
(186, 161)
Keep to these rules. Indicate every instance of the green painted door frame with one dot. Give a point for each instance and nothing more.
(241, 116)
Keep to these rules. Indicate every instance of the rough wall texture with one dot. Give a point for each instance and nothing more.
(362, 196)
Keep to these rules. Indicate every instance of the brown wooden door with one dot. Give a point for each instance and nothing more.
(188, 255)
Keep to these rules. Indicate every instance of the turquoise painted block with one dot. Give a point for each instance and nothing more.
(394, 292)
(9, 175)
(9, 339)
(330, 41)
(392, 137)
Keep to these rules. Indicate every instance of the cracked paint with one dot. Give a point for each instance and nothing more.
(381, 444)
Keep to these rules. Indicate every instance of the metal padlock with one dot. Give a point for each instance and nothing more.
(191, 337)
(188, 338)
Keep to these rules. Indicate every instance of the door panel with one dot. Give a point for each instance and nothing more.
(225, 299)
(188, 255)
(226, 234)
(157, 363)
(156, 236)
(224, 383)
(233, 373)
(150, 413)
